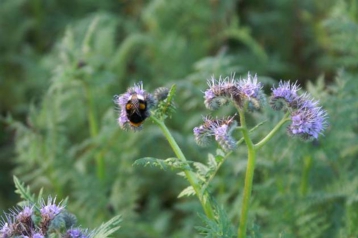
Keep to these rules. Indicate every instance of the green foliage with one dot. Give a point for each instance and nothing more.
(58, 78)
(220, 227)
(45, 224)
(166, 107)
(170, 163)
(24, 192)
(107, 228)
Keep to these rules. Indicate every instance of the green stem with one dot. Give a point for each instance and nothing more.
(248, 178)
(307, 165)
(100, 165)
(272, 132)
(252, 149)
(189, 174)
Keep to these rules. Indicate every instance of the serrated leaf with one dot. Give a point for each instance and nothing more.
(182, 174)
(151, 162)
(201, 168)
(212, 161)
(23, 192)
(175, 163)
(108, 228)
(188, 191)
(170, 163)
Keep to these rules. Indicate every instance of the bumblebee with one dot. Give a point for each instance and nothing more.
(136, 109)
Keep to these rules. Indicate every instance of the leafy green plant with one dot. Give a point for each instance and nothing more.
(39, 218)
(308, 120)
(61, 76)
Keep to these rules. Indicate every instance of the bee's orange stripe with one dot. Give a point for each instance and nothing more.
(136, 124)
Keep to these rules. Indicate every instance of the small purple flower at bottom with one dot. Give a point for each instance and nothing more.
(5, 231)
(38, 235)
(76, 233)
(50, 210)
(223, 136)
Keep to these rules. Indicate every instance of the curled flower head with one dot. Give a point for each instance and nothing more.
(25, 214)
(251, 91)
(50, 210)
(308, 121)
(203, 133)
(284, 96)
(17, 222)
(250, 87)
(134, 107)
(220, 92)
(220, 129)
(161, 93)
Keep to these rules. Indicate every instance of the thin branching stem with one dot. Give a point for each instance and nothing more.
(251, 161)
(189, 174)
(272, 132)
(249, 175)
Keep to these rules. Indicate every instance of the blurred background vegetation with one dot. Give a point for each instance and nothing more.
(61, 63)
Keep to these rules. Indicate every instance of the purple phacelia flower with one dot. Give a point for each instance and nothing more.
(250, 87)
(6, 230)
(223, 136)
(38, 235)
(134, 106)
(220, 129)
(201, 134)
(284, 96)
(76, 233)
(251, 91)
(220, 92)
(308, 121)
(25, 214)
(50, 210)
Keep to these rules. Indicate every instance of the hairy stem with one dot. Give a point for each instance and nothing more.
(189, 174)
(249, 176)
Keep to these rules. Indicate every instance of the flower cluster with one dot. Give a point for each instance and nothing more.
(308, 120)
(284, 96)
(221, 129)
(242, 91)
(28, 222)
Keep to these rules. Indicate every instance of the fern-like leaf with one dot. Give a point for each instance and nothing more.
(108, 228)
(23, 191)
(170, 163)
(188, 191)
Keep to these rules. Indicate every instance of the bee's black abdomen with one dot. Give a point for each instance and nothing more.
(136, 110)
